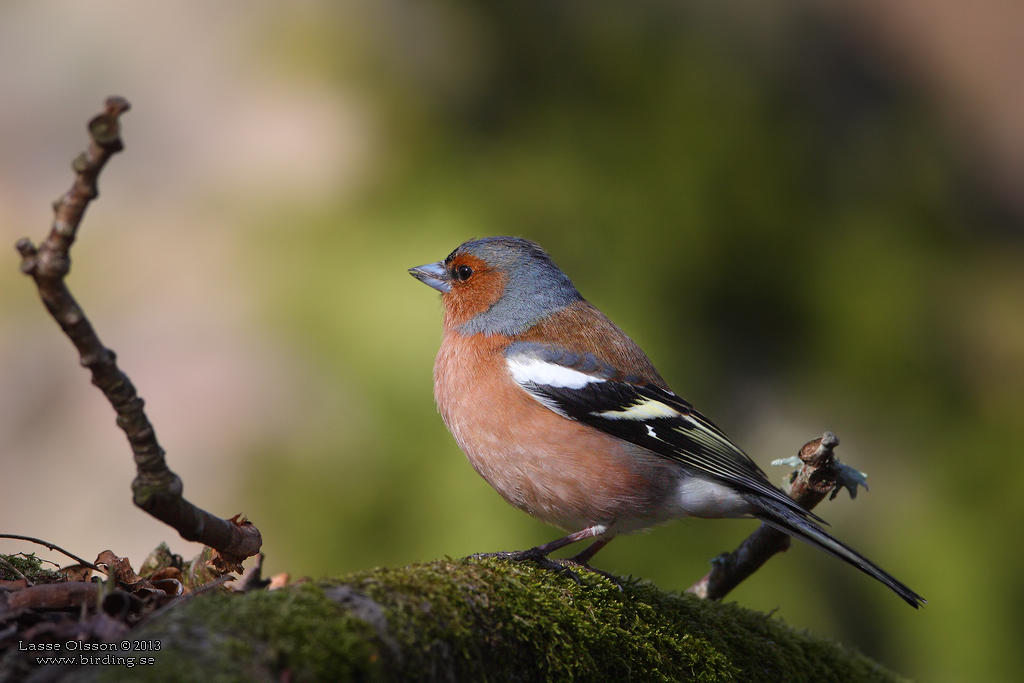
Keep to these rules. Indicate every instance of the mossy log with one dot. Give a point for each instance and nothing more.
(478, 620)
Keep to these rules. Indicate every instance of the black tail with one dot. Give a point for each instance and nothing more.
(790, 522)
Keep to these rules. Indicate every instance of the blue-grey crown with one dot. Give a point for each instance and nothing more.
(536, 287)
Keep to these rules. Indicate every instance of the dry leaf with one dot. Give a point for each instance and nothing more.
(76, 572)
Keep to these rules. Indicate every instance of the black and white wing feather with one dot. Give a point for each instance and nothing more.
(582, 388)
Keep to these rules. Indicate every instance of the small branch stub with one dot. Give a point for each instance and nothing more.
(820, 473)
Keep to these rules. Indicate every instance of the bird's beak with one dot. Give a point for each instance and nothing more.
(433, 274)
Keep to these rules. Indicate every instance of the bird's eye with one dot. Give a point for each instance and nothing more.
(463, 273)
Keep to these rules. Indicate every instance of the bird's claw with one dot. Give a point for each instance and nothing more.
(514, 556)
(579, 564)
(568, 567)
(531, 555)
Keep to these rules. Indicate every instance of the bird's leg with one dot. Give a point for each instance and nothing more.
(583, 558)
(575, 537)
(539, 555)
(542, 551)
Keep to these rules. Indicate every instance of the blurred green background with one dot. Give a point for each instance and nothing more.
(797, 211)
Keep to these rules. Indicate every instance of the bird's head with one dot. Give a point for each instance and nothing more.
(497, 285)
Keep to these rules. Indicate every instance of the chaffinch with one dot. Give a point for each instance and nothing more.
(564, 415)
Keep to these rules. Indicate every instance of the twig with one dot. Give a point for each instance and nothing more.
(821, 474)
(14, 570)
(63, 595)
(156, 489)
(51, 546)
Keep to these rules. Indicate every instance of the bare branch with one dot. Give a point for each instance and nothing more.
(821, 474)
(51, 546)
(14, 570)
(64, 595)
(157, 490)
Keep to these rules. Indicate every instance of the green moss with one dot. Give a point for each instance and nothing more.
(484, 620)
(30, 566)
(228, 638)
(491, 620)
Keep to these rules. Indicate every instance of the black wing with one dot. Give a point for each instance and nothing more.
(644, 414)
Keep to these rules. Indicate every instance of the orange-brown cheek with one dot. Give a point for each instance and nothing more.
(466, 300)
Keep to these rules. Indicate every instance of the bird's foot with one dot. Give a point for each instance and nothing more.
(515, 556)
(569, 566)
(579, 563)
(532, 555)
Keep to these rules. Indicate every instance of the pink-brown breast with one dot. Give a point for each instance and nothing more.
(558, 470)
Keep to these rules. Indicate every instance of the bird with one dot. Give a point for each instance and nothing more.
(567, 418)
